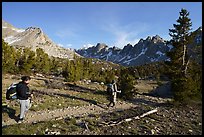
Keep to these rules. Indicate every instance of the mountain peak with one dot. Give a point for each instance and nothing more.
(157, 38)
(33, 28)
(148, 38)
(34, 38)
(141, 41)
(100, 46)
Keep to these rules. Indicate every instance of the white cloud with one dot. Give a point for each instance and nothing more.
(124, 34)
(66, 33)
(86, 46)
(61, 45)
(69, 30)
(65, 46)
(166, 37)
(68, 45)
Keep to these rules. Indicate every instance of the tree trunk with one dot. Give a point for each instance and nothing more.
(186, 66)
(184, 54)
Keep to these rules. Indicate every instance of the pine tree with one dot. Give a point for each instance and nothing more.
(185, 82)
(86, 68)
(42, 63)
(55, 65)
(69, 71)
(27, 60)
(8, 58)
(180, 39)
(78, 69)
(126, 84)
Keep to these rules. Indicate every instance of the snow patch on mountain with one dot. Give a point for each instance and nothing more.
(11, 39)
(169, 46)
(145, 51)
(33, 37)
(160, 53)
(18, 30)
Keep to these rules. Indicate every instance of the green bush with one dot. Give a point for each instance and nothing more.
(186, 90)
(126, 84)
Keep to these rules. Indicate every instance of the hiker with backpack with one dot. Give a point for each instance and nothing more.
(112, 91)
(24, 96)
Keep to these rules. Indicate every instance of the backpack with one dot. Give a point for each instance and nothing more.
(110, 89)
(11, 92)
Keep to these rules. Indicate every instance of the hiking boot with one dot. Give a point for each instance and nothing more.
(20, 120)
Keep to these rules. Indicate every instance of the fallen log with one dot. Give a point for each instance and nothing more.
(86, 125)
(113, 123)
(149, 112)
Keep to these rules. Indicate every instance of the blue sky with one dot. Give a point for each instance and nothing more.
(78, 24)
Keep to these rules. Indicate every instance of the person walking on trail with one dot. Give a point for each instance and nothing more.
(112, 91)
(24, 96)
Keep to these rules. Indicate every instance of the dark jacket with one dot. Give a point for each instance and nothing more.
(22, 91)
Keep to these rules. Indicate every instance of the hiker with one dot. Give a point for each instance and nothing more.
(24, 96)
(112, 93)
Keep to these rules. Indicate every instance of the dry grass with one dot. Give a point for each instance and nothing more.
(145, 86)
(50, 99)
(167, 121)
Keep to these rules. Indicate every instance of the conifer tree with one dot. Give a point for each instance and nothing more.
(27, 60)
(78, 69)
(180, 39)
(126, 84)
(69, 71)
(42, 61)
(86, 68)
(55, 65)
(8, 58)
(185, 82)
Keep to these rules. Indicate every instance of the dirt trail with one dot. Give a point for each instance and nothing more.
(46, 115)
(33, 117)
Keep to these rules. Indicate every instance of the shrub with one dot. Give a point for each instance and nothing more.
(126, 83)
(186, 90)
